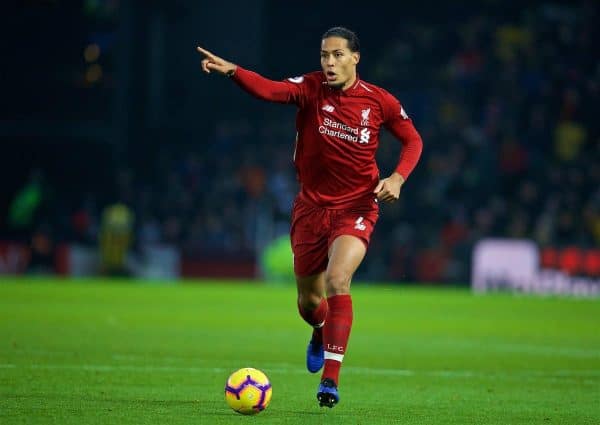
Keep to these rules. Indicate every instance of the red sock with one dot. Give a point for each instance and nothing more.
(315, 318)
(335, 334)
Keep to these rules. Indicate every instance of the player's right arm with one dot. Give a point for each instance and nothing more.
(253, 83)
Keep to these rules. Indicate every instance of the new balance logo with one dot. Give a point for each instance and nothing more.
(359, 225)
(328, 108)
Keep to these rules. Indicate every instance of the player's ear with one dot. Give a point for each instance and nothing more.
(356, 57)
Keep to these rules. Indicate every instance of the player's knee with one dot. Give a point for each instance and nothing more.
(337, 283)
(309, 301)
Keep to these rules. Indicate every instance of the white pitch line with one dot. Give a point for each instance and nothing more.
(595, 373)
(545, 350)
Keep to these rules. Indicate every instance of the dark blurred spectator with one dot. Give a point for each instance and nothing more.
(42, 250)
(27, 202)
(116, 239)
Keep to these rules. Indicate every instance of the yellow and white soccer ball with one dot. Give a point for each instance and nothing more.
(248, 391)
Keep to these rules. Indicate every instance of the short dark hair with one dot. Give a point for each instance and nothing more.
(345, 33)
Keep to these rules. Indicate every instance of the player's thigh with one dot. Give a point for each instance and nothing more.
(310, 289)
(348, 244)
(309, 235)
(345, 255)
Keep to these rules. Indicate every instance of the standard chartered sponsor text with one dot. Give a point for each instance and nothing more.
(340, 129)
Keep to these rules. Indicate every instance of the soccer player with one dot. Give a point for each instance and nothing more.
(338, 122)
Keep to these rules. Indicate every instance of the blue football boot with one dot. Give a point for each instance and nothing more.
(328, 393)
(315, 356)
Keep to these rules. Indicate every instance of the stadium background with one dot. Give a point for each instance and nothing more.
(103, 102)
(112, 140)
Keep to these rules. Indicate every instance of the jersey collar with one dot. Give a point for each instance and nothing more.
(349, 91)
(353, 88)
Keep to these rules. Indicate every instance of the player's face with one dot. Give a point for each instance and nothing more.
(338, 62)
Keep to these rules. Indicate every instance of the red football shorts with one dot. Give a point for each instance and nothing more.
(314, 229)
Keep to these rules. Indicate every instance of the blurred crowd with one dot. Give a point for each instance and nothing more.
(512, 147)
(505, 106)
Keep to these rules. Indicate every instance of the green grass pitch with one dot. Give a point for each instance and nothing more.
(129, 352)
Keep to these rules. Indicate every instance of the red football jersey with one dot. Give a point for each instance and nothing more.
(338, 134)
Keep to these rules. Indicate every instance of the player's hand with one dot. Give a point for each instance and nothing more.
(388, 189)
(212, 62)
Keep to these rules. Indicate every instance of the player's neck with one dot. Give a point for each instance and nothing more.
(350, 82)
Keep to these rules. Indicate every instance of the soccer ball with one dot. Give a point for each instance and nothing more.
(248, 391)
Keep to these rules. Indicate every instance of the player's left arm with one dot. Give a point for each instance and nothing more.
(397, 122)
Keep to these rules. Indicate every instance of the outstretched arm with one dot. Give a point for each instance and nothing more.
(253, 83)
